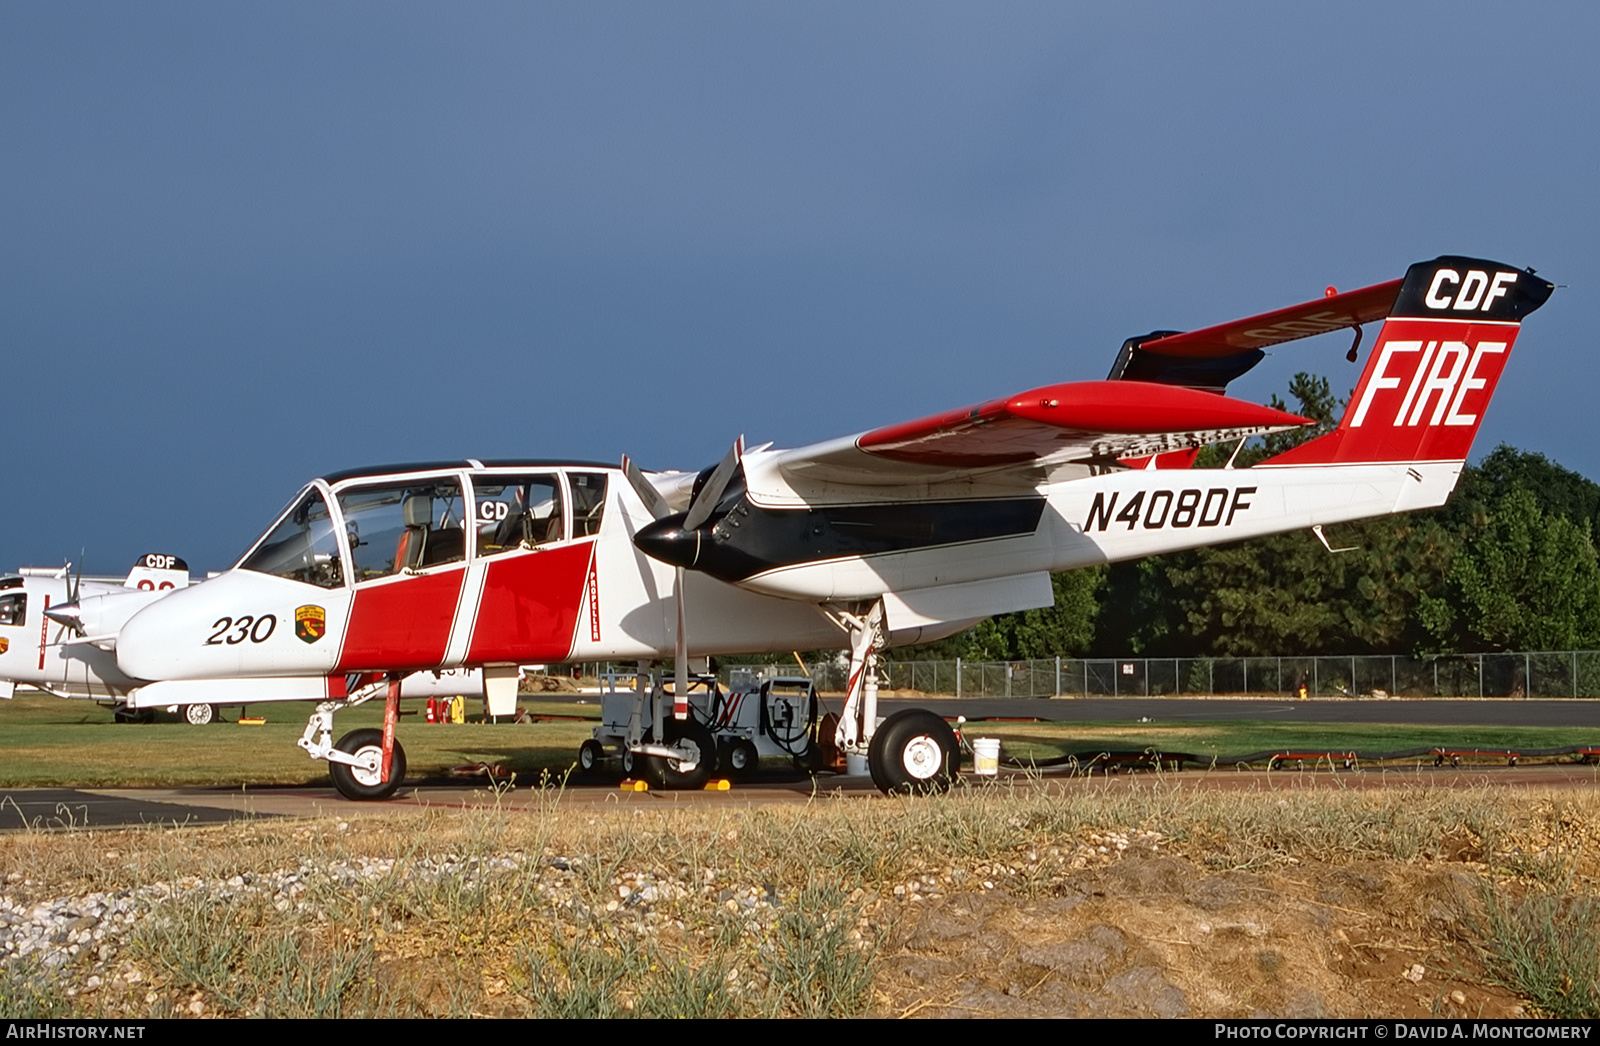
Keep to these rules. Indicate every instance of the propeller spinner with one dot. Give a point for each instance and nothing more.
(70, 613)
(676, 541)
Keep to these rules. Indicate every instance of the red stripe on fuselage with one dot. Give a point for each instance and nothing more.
(402, 623)
(530, 605)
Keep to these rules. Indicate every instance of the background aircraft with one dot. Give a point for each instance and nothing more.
(69, 655)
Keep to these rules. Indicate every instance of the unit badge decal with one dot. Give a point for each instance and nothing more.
(310, 623)
(5, 644)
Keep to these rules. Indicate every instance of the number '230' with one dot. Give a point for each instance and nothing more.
(231, 632)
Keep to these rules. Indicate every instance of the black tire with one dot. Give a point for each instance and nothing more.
(914, 751)
(630, 763)
(124, 714)
(200, 715)
(359, 784)
(669, 773)
(591, 756)
(739, 759)
(809, 761)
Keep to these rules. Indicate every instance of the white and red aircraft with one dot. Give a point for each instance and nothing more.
(58, 634)
(897, 535)
(70, 655)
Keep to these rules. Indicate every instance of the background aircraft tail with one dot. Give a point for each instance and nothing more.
(1434, 366)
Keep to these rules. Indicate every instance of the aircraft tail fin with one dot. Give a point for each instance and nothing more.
(1434, 366)
(156, 571)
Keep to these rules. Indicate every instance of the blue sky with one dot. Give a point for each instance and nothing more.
(246, 244)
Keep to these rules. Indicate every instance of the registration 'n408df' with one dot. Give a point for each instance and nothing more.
(1192, 507)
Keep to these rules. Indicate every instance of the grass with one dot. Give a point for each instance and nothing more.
(241, 956)
(1541, 943)
(773, 911)
(1044, 741)
(48, 742)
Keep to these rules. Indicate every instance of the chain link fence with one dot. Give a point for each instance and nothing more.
(1540, 674)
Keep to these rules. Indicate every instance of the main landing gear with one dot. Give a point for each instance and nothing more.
(200, 715)
(914, 751)
(911, 751)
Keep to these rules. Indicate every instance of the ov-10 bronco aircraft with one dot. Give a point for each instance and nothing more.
(898, 535)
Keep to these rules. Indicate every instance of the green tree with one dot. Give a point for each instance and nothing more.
(1525, 579)
(1065, 629)
(1138, 612)
(1558, 491)
(1314, 399)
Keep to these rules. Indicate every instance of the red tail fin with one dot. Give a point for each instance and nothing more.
(1434, 367)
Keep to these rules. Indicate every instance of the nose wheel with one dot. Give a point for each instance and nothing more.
(364, 780)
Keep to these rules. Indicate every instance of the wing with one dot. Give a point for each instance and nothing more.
(1010, 445)
(1163, 395)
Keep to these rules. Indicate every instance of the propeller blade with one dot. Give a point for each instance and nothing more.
(680, 661)
(645, 489)
(705, 502)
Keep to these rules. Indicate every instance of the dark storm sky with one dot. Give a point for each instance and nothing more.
(245, 244)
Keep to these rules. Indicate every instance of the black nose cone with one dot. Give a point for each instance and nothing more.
(666, 540)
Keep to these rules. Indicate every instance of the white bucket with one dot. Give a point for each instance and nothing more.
(986, 756)
(855, 765)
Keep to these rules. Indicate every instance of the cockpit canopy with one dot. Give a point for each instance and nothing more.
(366, 526)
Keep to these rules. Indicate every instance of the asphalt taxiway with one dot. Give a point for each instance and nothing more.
(68, 809)
(77, 809)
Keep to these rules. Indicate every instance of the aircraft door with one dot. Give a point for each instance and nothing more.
(408, 550)
(517, 512)
(13, 633)
(588, 502)
(534, 576)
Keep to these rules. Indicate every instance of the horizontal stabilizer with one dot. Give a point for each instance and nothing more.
(1213, 356)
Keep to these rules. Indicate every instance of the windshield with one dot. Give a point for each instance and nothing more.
(302, 547)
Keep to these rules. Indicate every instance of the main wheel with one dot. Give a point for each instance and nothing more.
(354, 782)
(200, 715)
(914, 751)
(670, 773)
(740, 759)
(590, 756)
